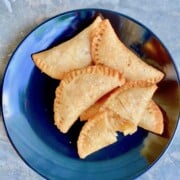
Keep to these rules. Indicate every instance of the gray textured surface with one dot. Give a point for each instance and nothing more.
(18, 17)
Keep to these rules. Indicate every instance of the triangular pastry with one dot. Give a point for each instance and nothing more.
(101, 131)
(70, 55)
(120, 112)
(107, 49)
(80, 89)
(130, 101)
(151, 120)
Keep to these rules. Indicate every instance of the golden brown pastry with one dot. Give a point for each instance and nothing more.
(151, 119)
(107, 49)
(80, 89)
(101, 131)
(70, 55)
(130, 101)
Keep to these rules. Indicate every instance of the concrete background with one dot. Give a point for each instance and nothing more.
(18, 17)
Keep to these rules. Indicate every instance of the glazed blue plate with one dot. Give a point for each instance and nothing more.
(27, 104)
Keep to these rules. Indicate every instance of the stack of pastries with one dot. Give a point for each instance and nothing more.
(103, 83)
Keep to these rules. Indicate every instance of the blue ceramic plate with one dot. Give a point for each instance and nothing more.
(27, 104)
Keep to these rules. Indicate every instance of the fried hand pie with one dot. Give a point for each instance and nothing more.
(130, 101)
(107, 49)
(70, 55)
(151, 120)
(80, 89)
(101, 131)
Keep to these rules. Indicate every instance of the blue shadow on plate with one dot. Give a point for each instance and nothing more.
(28, 95)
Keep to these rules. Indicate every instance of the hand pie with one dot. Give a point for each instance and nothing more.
(80, 89)
(130, 101)
(70, 55)
(152, 119)
(107, 49)
(100, 131)
(121, 112)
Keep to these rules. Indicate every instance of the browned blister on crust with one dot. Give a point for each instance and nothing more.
(70, 55)
(152, 118)
(100, 131)
(80, 89)
(107, 49)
